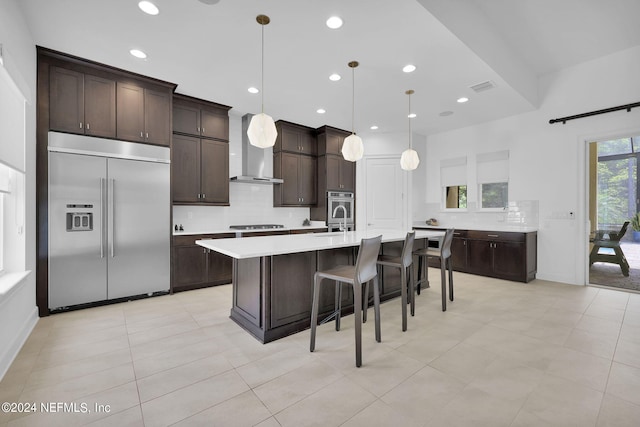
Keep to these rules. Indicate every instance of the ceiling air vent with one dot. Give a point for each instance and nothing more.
(481, 87)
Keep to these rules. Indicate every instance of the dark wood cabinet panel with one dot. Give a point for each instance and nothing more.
(200, 171)
(332, 172)
(299, 174)
(82, 103)
(197, 267)
(348, 175)
(185, 169)
(291, 299)
(157, 117)
(186, 119)
(197, 117)
(459, 254)
(340, 174)
(66, 100)
(189, 266)
(99, 106)
(130, 112)
(480, 257)
(215, 123)
(295, 138)
(143, 115)
(509, 257)
(330, 140)
(214, 167)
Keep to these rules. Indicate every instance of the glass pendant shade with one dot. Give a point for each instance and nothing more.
(409, 160)
(262, 131)
(352, 148)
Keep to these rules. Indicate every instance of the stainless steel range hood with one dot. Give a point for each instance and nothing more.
(253, 160)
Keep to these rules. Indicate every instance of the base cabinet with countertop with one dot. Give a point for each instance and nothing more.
(197, 267)
(507, 255)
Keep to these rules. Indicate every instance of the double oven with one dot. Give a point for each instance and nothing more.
(337, 216)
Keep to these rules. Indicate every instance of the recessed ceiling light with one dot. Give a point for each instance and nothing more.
(253, 90)
(321, 111)
(374, 127)
(409, 68)
(334, 77)
(462, 100)
(210, 2)
(446, 113)
(412, 115)
(138, 53)
(148, 7)
(334, 22)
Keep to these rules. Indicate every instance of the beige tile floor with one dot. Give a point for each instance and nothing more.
(504, 354)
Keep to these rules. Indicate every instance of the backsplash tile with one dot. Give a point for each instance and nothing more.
(518, 213)
(249, 204)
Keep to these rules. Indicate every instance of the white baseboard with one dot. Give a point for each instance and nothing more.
(12, 350)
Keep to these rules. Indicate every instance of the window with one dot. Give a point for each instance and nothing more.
(453, 178)
(492, 171)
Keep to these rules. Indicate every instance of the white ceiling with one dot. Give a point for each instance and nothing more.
(213, 52)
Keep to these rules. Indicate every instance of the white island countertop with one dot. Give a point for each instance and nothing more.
(253, 247)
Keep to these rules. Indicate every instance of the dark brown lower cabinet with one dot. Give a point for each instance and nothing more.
(504, 255)
(197, 267)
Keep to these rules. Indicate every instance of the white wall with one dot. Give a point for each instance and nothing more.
(547, 162)
(19, 315)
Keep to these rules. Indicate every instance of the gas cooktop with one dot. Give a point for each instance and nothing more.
(256, 226)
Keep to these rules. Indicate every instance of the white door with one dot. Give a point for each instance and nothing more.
(386, 186)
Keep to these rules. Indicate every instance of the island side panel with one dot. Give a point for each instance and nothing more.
(291, 288)
(247, 309)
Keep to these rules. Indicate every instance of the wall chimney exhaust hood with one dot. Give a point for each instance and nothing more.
(253, 160)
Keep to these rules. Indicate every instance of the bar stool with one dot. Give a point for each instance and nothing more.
(404, 261)
(363, 272)
(444, 255)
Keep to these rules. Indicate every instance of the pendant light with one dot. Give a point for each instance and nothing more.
(352, 148)
(262, 130)
(409, 159)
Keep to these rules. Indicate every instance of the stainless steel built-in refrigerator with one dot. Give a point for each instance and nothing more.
(109, 219)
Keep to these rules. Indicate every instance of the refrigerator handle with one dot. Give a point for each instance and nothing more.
(102, 212)
(111, 217)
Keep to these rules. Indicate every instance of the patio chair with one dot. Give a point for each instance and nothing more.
(609, 240)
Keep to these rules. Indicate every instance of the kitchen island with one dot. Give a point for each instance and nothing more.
(273, 276)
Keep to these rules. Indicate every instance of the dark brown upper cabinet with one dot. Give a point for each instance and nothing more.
(330, 140)
(144, 115)
(82, 103)
(295, 139)
(192, 116)
(299, 173)
(200, 171)
(294, 160)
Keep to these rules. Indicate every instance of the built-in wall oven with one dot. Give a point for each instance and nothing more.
(337, 216)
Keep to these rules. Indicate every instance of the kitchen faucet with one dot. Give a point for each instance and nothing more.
(343, 228)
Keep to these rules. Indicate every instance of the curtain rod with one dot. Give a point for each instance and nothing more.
(627, 107)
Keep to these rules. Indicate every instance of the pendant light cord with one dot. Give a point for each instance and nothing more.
(353, 100)
(262, 73)
(410, 134)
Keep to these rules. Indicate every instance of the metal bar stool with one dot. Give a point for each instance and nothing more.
(404, 261)
(363, 272)
(444, 255)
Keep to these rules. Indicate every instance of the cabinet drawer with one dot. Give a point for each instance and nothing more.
(497, 236)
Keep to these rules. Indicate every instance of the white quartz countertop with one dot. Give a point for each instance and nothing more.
(503, 228)
(252, 247)
(233, 230)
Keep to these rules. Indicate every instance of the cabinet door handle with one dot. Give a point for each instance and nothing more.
(80, 125)
(88, 126)
(203, 131)
(198, 128)
(147, 135)
(204, 250)
(204, 196)
(141, 134)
